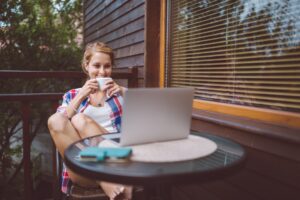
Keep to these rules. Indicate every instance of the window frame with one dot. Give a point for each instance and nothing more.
(282, 118)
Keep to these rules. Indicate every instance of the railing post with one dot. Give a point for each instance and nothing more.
(56, 168)
(26, 150)
(133, 80)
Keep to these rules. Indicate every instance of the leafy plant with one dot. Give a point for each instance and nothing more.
(34, 35)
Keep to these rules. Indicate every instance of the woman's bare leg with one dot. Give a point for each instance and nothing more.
(64, 134)
(87, 127)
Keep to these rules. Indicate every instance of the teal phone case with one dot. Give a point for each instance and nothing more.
(116, 152)
(100, 153)
(92, 154)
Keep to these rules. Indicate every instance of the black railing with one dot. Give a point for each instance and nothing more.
(131, 75)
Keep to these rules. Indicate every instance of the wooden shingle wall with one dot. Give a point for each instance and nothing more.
(120, 24)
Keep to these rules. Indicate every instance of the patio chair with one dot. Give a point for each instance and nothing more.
(86, 193)
(76, 192)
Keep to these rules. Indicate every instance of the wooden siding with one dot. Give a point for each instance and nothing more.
(120, 24)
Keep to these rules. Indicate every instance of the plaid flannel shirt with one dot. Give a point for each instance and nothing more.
(114, 103)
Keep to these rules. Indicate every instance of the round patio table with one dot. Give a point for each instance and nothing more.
(158, 178)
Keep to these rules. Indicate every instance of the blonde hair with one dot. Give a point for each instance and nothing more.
(93, 48)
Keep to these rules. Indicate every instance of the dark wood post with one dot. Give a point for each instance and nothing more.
(56, 169)
(133, 81)
(26, 150)
(152, 42)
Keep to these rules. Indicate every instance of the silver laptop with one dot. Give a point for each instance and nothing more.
(154, 115)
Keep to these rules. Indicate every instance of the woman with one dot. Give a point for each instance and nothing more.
(87, 111)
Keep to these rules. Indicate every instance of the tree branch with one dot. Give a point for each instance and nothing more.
(16, 171)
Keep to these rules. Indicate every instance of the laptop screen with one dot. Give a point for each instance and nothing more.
(156, 114)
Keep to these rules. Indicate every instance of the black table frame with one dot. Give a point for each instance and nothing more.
(228, 158)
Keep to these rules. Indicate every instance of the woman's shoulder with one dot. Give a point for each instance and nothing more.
(75, 90)
(71, 93)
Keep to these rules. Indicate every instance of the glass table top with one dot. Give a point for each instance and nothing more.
(228, 157)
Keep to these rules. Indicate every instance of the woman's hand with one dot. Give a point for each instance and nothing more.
(111, 87)
(90, 87)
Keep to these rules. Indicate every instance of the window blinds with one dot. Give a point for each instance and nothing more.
(244, 52)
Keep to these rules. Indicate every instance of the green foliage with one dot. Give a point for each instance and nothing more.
(34, 35)
(40, 35)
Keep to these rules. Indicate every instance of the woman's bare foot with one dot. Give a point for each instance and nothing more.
(116, 191)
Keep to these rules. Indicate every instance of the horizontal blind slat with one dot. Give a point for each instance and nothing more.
(241, 77)
(228, 43)
(237, 81)
(195, 3)
(224, 54)
(251, 102)
(265, 72)
(178, 56)
(210, 36)
(224, 51)
(252, 93)
(251, 96)
(190, 67)
(225, 48)
(245, 86)
(235, 61)
(248, 62)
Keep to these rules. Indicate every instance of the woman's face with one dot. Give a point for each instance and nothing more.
(99, 65)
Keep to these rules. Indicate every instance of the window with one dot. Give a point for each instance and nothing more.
(236, 52)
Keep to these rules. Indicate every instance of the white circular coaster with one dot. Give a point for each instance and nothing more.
(171, 151)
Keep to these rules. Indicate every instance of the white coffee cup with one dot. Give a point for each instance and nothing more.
(102, 81)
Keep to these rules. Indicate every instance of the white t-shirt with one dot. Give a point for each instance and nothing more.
(101, 115)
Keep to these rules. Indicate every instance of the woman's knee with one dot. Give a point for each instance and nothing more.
(57, 122)
(80, 121)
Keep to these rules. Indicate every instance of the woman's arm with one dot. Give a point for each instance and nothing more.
(89, 87)
(73, 106)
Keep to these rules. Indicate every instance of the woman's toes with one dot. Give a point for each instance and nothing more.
(114, 191)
